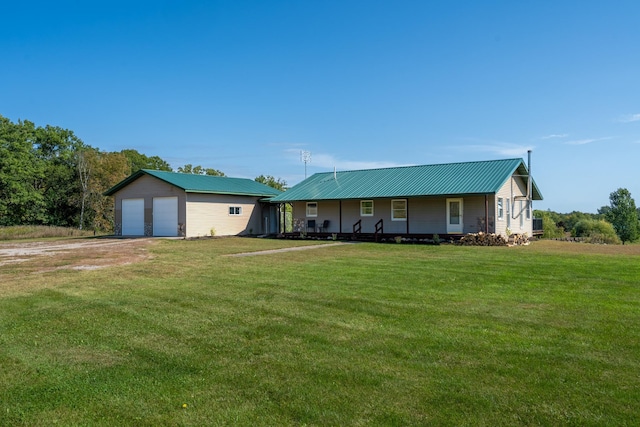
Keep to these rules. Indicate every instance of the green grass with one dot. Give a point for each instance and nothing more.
(365, 334)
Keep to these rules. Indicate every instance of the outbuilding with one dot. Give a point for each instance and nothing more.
(159, 203)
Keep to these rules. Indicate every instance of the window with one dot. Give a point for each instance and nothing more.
(366, 207)
(399, 210)
(500, 208)
(521, 214)
(312, 209)
(235, 210)
(528, 209)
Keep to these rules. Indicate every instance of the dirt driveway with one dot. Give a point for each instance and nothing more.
(78, 254)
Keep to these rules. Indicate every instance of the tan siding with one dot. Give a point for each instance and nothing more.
(207, 211)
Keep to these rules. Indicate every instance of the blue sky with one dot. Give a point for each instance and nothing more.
(244, 86)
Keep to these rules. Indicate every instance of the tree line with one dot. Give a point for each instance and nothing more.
(617, 222)
(49, 176)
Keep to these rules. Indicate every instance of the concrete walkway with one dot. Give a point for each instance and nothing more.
(295, 248)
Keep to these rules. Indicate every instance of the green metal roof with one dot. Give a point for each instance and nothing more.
(486, 177)
(202, 184)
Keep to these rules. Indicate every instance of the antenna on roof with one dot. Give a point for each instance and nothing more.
(335, 175)
(305, 156)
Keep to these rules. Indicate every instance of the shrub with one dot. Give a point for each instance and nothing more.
(550, 229)
(596, 231)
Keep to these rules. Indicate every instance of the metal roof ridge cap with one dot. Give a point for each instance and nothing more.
(419, 166)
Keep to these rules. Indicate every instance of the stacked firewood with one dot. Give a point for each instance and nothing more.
(492, 239)
(483, 239)
(518, 239)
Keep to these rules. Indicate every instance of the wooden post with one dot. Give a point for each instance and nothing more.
(407, 215)
(486, 214)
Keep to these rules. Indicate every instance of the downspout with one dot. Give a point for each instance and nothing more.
(511, 209)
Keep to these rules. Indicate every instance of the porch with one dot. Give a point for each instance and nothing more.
(321, 231)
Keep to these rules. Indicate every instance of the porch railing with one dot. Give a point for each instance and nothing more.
(379, 229)
(537, 226)
(357, 227)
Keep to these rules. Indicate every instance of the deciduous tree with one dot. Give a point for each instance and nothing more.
(624, 215)
(199, 170)
(107, 170)
(278, 184)
(139, 161)
(21, 175)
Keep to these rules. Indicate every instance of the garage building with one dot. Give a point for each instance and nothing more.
(158, 203)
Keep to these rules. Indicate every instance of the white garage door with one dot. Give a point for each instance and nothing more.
(165, 216)
(133, 217)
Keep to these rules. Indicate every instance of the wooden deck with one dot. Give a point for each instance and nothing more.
(373, 237)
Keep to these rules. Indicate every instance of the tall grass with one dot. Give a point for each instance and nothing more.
(40, 232)
(360, 334)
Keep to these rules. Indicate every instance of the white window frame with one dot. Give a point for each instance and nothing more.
(528, 210)
(393, 210)
(500, 208)
(312, 209)
(235, 210)
(364, 209)
(521, 213)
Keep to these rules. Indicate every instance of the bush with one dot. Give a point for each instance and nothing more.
(549, 227)
(596, 231)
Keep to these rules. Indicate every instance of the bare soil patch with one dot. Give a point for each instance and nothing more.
(78, 254)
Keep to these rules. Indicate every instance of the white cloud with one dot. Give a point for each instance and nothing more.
(587, 140)
(628, 118)
(501, 149)
(555, 135)
(327, 161)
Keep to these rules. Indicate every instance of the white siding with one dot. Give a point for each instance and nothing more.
(513, 191)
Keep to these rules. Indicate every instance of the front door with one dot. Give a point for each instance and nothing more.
(454, 216)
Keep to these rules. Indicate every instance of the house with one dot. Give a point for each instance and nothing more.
(158, 203)
(444, 199)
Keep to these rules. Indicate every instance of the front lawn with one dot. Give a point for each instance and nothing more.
(362, 334)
